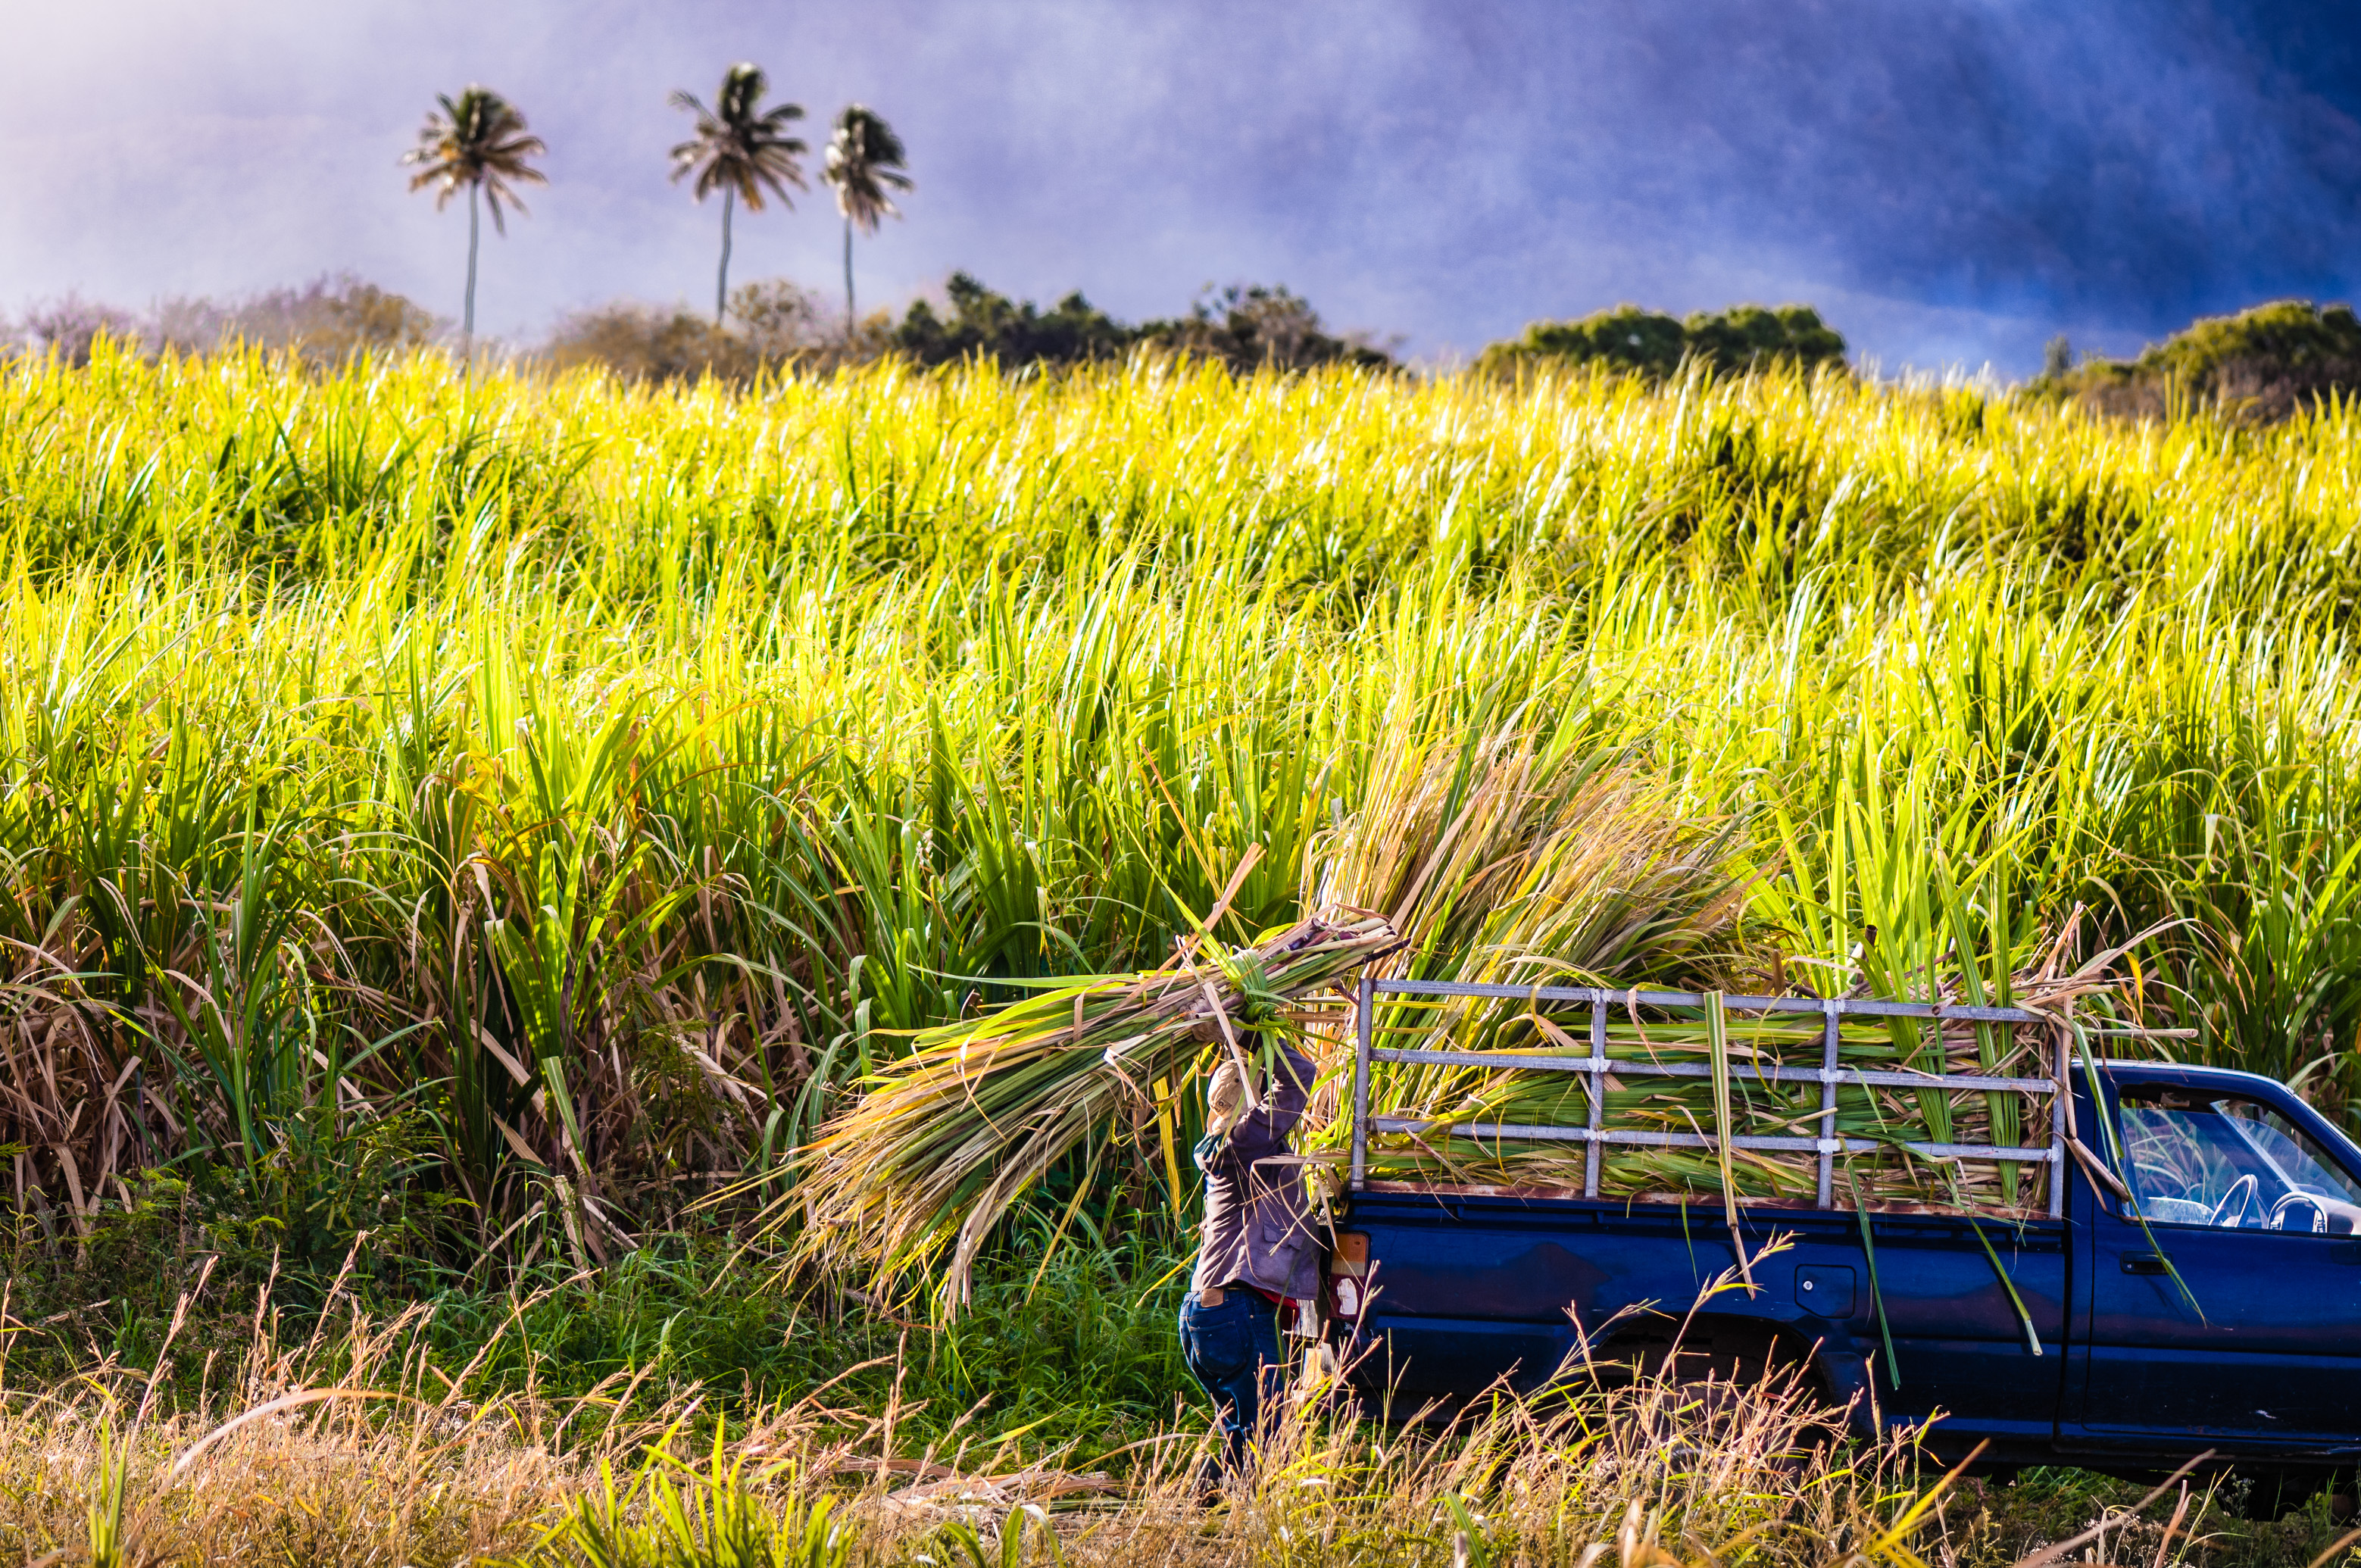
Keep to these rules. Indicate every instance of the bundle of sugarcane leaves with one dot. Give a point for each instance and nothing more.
(944, 1141)
(1731, 1098)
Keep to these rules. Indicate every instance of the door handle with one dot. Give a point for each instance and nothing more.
(2143, 1263)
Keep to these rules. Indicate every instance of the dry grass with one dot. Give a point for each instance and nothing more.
(297, 1455)
(352, 1448)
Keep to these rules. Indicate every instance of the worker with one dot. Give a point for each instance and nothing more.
(1256, 1264)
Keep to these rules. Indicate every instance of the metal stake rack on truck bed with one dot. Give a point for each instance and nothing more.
(1597, 1066)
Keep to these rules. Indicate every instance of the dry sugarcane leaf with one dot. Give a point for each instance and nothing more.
(948, 1137)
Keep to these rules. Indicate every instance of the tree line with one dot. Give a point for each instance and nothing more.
(1730, 342)
(774, 323)
(770, 325)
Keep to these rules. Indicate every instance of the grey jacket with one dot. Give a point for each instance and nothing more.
(1257, 1225)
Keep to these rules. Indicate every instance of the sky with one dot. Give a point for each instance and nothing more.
(1953, 182)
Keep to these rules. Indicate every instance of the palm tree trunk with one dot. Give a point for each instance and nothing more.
(848, 317)
(468, 330)
(721, 287)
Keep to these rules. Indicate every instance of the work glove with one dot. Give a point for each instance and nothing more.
(1224, 1095)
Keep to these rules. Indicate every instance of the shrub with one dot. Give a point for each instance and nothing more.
(777, 319)
(984, 323)
(326, 321)
(2259, 366)
(70, 327)
(649, 343)
(1742, 338)
(772, 322)
(1246, 326)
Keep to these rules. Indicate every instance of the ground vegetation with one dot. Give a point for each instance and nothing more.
(464, 832)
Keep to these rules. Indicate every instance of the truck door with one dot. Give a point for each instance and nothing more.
(2225, 1293)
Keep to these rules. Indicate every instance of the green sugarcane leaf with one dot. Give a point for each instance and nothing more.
(2032, 1340)
(1876, 1293)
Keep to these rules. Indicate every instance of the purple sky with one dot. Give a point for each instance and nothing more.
(1950, 180)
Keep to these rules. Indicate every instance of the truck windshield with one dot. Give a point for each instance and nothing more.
(2197, 1158)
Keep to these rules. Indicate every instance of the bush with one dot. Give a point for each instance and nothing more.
(987, 325)
(649, 343)
(2259, 366)
(778, 320)
(772, 323)
(1629, 338)
(1246, 326)
(325, 322)
(71, 326)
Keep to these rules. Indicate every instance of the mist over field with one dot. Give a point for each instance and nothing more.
(1951, 183)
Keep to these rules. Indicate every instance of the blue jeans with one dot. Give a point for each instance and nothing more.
(1233, 1350)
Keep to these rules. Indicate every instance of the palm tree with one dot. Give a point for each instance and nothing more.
(480, 141)
(864, 159)
(742, 149)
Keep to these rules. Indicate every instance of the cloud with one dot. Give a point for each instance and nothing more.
(1951, 180)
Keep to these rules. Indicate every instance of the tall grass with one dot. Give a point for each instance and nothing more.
(495, 813)
(356, 1446)
(359, 1444)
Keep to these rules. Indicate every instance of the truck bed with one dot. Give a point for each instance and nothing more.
(1464, 1290)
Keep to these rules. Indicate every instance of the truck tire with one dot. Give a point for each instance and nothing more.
(2272, 1495)
(1719, 1362)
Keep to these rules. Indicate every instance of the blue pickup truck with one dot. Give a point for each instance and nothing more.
(2195, 1284)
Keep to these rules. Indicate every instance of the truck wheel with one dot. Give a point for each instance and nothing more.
(2271, 1494)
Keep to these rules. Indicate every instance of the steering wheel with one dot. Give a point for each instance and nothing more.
(2242, 1191)
(2280, 1211)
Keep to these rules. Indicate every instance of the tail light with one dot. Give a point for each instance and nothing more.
(1348, 1269)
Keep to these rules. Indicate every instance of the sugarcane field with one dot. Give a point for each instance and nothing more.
(1155, 965)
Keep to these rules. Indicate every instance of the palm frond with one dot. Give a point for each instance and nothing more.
(478, 139)
(864, 161)
(739, 147)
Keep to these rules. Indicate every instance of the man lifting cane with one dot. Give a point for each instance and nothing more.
(1255, 1264)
